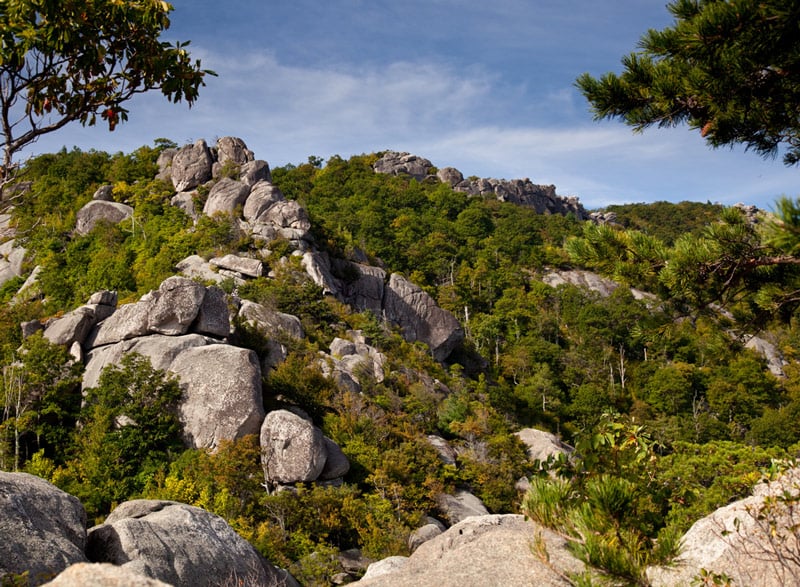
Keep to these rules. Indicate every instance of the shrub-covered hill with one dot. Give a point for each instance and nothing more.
(669, 395)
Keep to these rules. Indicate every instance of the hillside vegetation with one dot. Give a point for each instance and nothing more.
(660, 395)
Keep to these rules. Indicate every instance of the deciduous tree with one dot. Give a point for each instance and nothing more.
(72, 60)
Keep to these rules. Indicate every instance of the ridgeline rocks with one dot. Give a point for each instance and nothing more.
(523, 192)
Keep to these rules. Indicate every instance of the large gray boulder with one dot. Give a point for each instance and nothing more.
(160, 349)
(213, 317)
(755, 541)
(174, 306)
(225, 197)
(287, 214)
(450, 175)
(480, 551)
(241, 266)
(129, 321)
(195, 267)
(420, 319)
(271, 323)
(97, 211)
(71, 327)
(222, 394)
(43, 529)
(191, 166)
(293, 450)
(102, 575)
(180, 545)
(364, 289)
(254, 172)
(318, 267)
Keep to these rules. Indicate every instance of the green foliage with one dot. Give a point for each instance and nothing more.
(40, 399)
(704, 477)
(664, 220)
(733, 262)
(130, 429)
(725, 68)
(608, 505)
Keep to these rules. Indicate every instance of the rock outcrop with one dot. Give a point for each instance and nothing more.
(226, 196)
(592, 282)
(294, 450)
(11, 259)
(486, 550)
(393, 163)
(238, 267)
(523, 192)
(233, 149)
(420, 318)
(180, 545)
(754, 541)
(181, 327)
(171, 309)
(43, 529)
(221, 383)
(775, 360)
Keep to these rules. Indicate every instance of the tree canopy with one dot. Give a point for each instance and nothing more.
(71, 60)
(730, 68)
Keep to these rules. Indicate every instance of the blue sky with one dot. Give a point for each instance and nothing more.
(483, 86)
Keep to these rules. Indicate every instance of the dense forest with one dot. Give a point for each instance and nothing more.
(665, 402)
